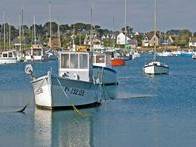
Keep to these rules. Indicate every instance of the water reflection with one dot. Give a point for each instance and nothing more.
(65, 128)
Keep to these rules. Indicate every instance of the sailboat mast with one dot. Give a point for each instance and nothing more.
(4, 31)
(50, 25)
(20, 31)
(9, 36)
(125, 24)
(34, 32)
(155, 28)
(91, 15)
(59, 34)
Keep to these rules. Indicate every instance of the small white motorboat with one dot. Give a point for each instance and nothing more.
(156, 67)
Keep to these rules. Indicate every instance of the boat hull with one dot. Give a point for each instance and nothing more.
(108, 77)
(57, 93)
(117, 62)
(7, 60)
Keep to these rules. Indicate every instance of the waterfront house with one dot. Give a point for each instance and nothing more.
(192, 42)
(121, 39)
(145, 42)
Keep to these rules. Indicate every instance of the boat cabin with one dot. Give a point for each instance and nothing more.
(8, 54)
(35, 53)
(101, 59)
(75, 65)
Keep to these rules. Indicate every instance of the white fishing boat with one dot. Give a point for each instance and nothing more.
(36, 53)
(155, 67)
(8, 57)
(75, 86)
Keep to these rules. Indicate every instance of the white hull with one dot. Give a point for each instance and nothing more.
(154, 68)
(55, 92)
(34, 58)
(7, 60)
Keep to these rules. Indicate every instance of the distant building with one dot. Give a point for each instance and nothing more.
(192, 42)
(150, 39)
(167, 41)
(145, 42)
(121, 39)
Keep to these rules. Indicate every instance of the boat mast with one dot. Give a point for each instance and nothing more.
(125, 24)
(155, 28)
(50, 25)
(4, 31)
(9, 36)
(59, 34)
(20, 34)
(91, 15)
(22, 30)
(34, 32)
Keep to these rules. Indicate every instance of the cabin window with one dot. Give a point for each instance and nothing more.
(9, 54)
(65, 61)
(4, 55)
(73, 60)
(100, 59)
(108, 60)
(36, 52)
(83, 61)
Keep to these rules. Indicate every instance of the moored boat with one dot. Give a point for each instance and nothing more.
(8, 57)
(156, 67)
(75, 86)
(117, 62)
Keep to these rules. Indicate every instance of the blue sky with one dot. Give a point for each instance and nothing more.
(172, 14)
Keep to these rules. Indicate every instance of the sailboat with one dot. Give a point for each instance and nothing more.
(155, 67)
(36, 52)
(7, 56)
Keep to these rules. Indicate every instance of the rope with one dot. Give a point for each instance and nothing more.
(74, 107)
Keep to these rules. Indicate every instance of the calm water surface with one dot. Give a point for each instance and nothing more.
(149, 111)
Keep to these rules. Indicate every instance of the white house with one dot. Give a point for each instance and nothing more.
(145, 42)
(192, 42)
(121, 39)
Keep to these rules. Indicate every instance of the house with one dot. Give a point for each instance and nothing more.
(192, 42)
(130, 42)
(151, 39)
(167, 41)
(121, 39)
(145, 42)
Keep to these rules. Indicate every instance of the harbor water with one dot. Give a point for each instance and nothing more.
(149, 111)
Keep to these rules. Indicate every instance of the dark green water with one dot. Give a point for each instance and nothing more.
(149, 112)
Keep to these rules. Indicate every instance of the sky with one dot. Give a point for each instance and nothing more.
(171, 14)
